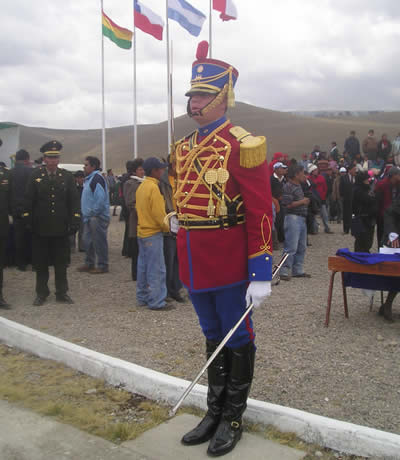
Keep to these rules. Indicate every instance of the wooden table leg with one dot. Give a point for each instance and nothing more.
(346, 310)
(328, 307)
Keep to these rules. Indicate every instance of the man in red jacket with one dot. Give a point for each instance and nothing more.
(224, 242)
(386, 190)
(322, 189)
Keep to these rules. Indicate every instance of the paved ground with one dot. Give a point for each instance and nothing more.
(28, 436)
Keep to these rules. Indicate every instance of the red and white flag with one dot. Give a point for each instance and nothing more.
(148, 21)
(227, 8)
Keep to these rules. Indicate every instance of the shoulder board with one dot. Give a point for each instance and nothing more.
(253, 149)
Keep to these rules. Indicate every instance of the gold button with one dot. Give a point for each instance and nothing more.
(267, 258)
(186, 193)
(215, 139)
(253, 274)
(226, 147)
(52, 210)
(221, 158)
(52, 196)
(195, 145)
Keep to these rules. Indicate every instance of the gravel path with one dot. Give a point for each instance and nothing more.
(349, 371)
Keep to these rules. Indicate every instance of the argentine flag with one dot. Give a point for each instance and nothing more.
(188, 17)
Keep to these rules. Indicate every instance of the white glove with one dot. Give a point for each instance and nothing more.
(257, 291)
(173, 224)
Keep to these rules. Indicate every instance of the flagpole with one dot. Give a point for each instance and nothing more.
(135, 143)
(103, 134)
(172, 97)
(210, 32)
(168, 78)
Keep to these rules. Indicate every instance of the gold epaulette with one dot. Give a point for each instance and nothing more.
(253, 149)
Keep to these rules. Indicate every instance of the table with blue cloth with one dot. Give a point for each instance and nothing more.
(378, 272)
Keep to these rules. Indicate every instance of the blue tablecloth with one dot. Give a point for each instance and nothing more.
(372, 282)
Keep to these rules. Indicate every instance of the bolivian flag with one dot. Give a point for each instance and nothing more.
(120, 36)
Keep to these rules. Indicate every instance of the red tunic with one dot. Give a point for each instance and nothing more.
(215, 258)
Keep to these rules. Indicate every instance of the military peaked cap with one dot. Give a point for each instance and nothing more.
(51, 148)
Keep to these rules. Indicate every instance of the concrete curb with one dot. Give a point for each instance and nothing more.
(341, 436)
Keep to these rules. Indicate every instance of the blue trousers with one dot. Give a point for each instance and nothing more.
(220, 310)
(95, 242)
(151, 288)
(295, 244)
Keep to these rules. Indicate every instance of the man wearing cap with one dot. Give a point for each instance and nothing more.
(321, 188)
(52, 212)
(224, 242)
(5, 210)
(151, 288)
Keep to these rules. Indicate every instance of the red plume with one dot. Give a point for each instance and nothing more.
(202, 50)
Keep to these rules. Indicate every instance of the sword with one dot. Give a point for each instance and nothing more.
(173, 411)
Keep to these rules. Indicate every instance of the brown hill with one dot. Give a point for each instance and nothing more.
(286, 133)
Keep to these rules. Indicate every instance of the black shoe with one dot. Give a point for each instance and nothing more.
(64, 298)
(178, 298)
(3, 304)
(203, 432)
(39, 301)
(225, 438)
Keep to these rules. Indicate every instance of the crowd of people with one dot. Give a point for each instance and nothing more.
(354, 187)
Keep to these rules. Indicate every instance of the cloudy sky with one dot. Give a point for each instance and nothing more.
(291, 55)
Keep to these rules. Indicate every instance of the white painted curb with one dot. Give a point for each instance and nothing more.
(341, 436)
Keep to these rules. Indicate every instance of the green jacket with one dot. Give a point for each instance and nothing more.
(52, 206)
(5, 201)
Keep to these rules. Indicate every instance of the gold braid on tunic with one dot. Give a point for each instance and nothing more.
(185, 165)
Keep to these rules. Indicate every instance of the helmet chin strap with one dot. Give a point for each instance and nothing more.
(218, 99)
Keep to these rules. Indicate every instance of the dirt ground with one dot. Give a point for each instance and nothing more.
(349, 371)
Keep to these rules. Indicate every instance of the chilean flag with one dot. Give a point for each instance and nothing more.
(147, 21)
(227, 9)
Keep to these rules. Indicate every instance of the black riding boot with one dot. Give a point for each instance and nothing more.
(217, 377)
(229, 430)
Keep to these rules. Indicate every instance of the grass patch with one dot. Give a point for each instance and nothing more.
(54, 390)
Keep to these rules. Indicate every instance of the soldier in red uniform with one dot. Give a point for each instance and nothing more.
(224, 242)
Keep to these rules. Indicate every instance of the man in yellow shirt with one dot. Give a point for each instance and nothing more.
(151, 287)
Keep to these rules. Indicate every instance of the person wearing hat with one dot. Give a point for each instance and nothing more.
(5, 210)
(224, 242)
(19, 177)
(151, 287)
(52, 213)
(321, 188)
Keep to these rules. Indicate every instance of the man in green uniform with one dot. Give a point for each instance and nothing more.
(52, 211)
(4, 212)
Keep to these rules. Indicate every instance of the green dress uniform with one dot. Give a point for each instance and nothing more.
(5, 202)
(52, 211)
